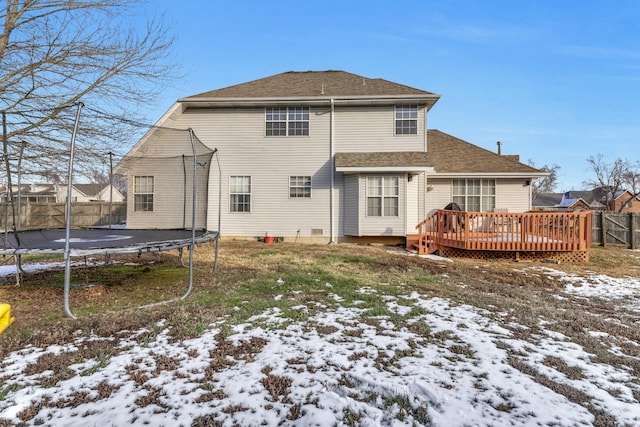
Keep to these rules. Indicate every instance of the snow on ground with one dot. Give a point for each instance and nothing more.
(447, 366)
(625, 291)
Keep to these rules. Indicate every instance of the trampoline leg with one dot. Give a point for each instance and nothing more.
(215, 263)
(67, 286)
(180, 254)
(19, 263)
(18, 269)
(190, 273)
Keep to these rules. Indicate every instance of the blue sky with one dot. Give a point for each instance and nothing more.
(556, 81)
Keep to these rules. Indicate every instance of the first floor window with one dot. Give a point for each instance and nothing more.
(475, 195)
(143, 193)
(240, 194)
(299, 186)
(382, 195)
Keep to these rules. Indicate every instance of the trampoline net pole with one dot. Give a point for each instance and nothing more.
(67, 257)
(193, 213)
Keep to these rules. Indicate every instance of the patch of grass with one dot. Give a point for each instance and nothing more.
(426, 278)
(572, 372)
(378, 311)
(347, 259)
(4, 391)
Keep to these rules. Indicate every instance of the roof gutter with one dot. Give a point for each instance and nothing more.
(489, 175)
(212, 102)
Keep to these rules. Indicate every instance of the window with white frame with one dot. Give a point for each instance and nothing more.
(287, 121)
(475, 195)
(406, 119)
(382, 195)
(240, 194)
(143, 193)
(299, 186)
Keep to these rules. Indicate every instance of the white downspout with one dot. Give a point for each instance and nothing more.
(333, 169)
(426, 180)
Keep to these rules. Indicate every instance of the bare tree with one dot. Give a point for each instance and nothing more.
(57, 53)
(632, 178)
(545, 184)
(608, 178)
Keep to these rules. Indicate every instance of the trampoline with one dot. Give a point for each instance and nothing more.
(93, 241)
(184, 152)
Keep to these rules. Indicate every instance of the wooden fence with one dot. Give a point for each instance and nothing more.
(53, 215)
(616, 229)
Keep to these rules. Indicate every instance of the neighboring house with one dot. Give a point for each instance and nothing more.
(57, 193)
(561, 202)
(91, 193)
(320, 156)
(595, 200)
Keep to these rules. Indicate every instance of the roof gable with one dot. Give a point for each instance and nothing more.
(89, 189)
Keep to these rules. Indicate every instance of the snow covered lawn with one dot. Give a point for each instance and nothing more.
(366, 357)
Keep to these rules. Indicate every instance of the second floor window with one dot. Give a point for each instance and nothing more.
(143, 193)
(406, 120)
(287, 121)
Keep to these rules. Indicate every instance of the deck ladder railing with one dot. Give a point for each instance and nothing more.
(502, 231)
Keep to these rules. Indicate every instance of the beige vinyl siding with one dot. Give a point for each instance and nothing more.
(367, 128)
(382, 225)
(244, 150)
(438, 194)
(513, 195)
(351, 205)
(413, 203)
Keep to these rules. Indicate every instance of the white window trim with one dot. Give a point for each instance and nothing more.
(396, 119)
(382, 196)
(286, 122)
(250, 193)
(303, 187)
(481, 195)
(146, 193)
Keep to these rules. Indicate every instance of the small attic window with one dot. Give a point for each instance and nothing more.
(406, 119)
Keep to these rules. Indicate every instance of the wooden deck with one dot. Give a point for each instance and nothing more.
(513, 233)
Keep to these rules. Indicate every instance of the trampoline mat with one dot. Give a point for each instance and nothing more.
(102, 240)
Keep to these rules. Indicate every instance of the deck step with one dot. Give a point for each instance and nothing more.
(428, 248)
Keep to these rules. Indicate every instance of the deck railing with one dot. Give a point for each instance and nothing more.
(497, 231)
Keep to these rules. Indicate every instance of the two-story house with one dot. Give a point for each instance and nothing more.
(317, 156)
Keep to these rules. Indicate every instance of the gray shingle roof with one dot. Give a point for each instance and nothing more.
(449, 154)
(547, 199)
(383, 159)
(312, 83)
(446, 153)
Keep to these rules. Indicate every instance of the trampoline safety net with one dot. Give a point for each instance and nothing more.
(160, 178)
